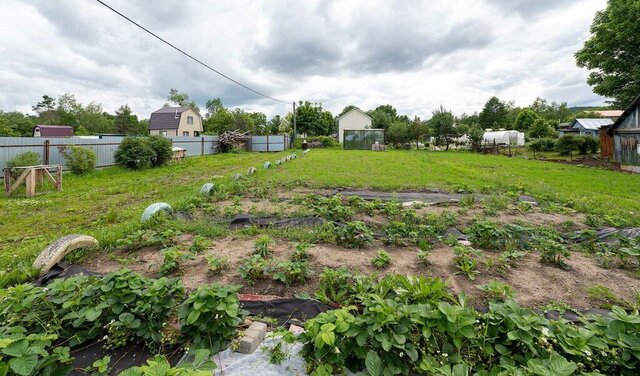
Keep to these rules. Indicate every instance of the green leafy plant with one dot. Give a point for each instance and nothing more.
(382, 259)
(465, 261)
(80, 160)
(552, 252)
(201, 365)
(254, 268)
(210, 315)
(262, 246)
(292, 272)
(497, 291)
(604, 298)
(199, 244)
(217, 264)
(333, 286)
(353, 235)
(29, 158)
(171, 261)
(301, 253)
(26, 355)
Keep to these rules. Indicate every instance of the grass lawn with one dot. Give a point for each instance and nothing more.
(107, 203)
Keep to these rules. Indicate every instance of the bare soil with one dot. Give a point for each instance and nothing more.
(534, 283)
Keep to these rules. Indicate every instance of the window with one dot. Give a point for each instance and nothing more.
(189, 119)
(185, 134)
(163, 133)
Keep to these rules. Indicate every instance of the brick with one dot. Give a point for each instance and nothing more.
(252, 338)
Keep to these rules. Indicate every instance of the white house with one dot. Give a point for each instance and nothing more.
(355, 119)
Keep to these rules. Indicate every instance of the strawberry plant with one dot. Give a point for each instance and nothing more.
(217, 264)
(465, 261)
(292, 272)
(210, 315)
(301, 253)
(254, 268)
(34, 354)
(353, 235)
(552, 252)
(382, 259)
(497, 291)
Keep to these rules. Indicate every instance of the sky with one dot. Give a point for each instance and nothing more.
(414, 55)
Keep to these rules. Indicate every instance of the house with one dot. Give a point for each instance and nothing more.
(354, 120)
(565, 129)
(610, 114)
(621, 140)
(175, 121)
(590, 127)
(43, 130)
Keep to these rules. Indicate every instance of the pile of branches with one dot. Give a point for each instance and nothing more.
(234, 140)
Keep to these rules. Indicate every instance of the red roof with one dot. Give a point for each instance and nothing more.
(53, 130)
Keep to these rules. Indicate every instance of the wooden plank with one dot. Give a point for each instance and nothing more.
(30, 183)
(7, 179)
(55, 183)
(17, 183)
(59, 176)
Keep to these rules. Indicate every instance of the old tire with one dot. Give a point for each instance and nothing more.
(266, 165)
(236, 177)
(208, 189)
(306, 151)
(153, 209)
(56, 251)
(251, 170)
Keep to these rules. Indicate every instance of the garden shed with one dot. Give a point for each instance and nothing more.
(355, 119)
(625, 133)
(362, 139)
(590, 127)
(513, 138)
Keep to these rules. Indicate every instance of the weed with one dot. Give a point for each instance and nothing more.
(171, 261)
(217, 264)
(382, 259)
(424, 252)
(468, 201)
(262, 246)
(497, 291)
(198, 244)
(604, 298)
(465, 261)
(496, 265)
(333, 283)
(280, 351)
(496, 202)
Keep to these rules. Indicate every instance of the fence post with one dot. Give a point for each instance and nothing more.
(45, 155)
(267, 142)
(202, 140)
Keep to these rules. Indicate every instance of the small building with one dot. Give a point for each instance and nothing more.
(175, 121)
(354, 120)
(502, 137)
(565, 129)
(621, 140)
(610, 114)
(43, 130)
(590, 127)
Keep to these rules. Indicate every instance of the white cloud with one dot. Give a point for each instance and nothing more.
(414, 55)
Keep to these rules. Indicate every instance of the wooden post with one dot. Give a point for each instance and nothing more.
(59, 177)
(30, 182)
(45, 155)
(7, 179)
(39, 176)
(202, 144)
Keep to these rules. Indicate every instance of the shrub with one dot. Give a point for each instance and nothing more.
(162, 150)
(79, 160)
(382, 259)
(588, 145)
(134, 153)
(542, 144)
(29, 158)
(353, 235)
(210, 316)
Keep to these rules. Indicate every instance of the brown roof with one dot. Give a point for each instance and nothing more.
(627, 111)
(167, 117)
(54, 130)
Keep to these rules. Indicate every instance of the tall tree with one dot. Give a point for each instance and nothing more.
(494, 114)
(398, 133)
(45, 109)
(213, 106)
(442, 127)
(273, 126)
(181, 99)
(313, 120)
(125, 122)
(382, 116)
(417, 130)
(611, 53)
(525, 119)
(541, 129)
(554, 112)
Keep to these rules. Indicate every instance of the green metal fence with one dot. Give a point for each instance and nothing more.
(362, 139)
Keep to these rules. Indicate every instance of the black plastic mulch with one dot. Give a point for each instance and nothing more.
(286, 310)
(249, 220)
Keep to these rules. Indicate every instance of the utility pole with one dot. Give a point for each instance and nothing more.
(295, 127)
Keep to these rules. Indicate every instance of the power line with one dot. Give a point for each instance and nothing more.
(189, 56)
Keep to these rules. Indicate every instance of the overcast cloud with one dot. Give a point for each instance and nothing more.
(412, 54)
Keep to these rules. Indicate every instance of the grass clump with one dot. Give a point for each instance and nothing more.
(262, 246)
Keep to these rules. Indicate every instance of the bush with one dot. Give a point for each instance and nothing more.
(79, 160)
(316, 142)
(588, 145)
(134, 153)
(542, 144)
(29, 158)
(162, 149)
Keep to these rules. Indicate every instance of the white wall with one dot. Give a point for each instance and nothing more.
(353, 120)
